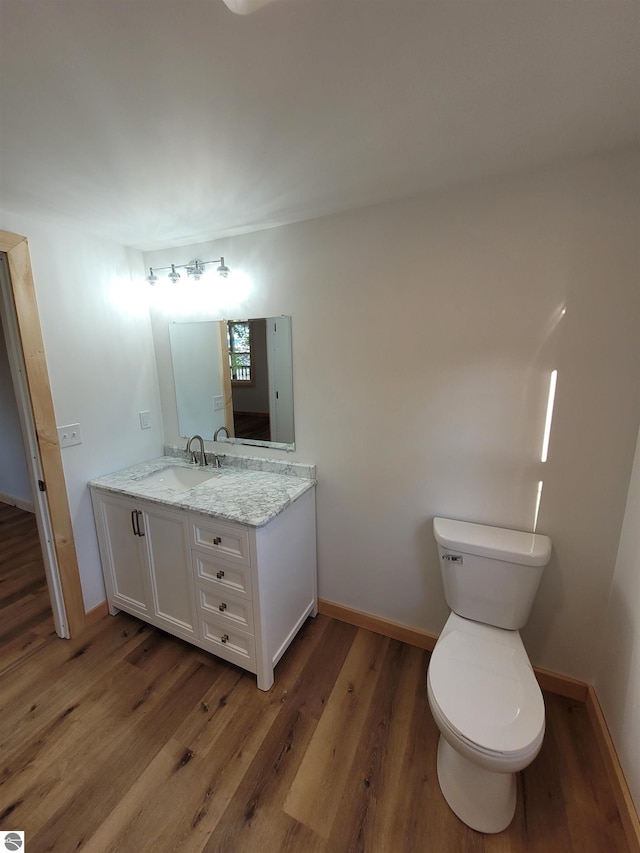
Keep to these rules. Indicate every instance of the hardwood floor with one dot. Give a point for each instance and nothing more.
(252, 425)
(129, 739)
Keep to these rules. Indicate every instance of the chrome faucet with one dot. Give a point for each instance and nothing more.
(194, 459)
(218, 431)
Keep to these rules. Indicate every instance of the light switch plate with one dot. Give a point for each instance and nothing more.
(69, 435)
(145, 420)
(218, 403)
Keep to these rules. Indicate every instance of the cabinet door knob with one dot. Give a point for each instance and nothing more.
(217, 540)
(224, 638)
(222, 607)
(220, 574)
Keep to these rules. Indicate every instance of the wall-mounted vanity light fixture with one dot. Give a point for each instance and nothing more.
(195, 269)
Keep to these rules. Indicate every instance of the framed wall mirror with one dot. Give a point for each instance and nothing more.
(236, 374)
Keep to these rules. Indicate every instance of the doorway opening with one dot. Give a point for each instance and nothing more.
(28, 369)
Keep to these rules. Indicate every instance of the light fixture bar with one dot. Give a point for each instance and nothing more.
(195, 270)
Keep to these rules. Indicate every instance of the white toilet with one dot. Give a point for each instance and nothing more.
(482, 692)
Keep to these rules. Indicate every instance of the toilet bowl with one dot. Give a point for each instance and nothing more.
(482, 691)
(489, 709)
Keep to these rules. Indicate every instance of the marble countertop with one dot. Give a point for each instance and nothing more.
(235, 493)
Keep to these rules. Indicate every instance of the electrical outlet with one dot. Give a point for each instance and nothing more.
(69, 435)
(218, 403)
(145, 420)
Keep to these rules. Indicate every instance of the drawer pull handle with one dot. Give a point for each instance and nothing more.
(224, 638)
(217, 540)
(220, 574)
(222, 607)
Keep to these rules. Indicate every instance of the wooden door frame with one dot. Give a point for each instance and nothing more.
(16, 248)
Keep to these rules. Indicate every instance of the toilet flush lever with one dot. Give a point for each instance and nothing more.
(453, 558)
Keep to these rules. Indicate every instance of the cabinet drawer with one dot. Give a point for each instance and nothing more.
(229, 610)
(210, 573)
(227, 642)
(228, 543)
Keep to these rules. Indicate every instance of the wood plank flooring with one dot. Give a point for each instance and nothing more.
(128, 739)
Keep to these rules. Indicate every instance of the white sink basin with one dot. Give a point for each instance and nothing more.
(179, 479)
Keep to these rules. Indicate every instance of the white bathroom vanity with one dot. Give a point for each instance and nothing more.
(223, 558)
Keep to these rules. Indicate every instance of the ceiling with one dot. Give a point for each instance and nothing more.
(163, 122)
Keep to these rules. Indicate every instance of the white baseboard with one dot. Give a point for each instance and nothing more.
(12, 501)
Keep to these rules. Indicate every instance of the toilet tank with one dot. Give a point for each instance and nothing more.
(490, 574)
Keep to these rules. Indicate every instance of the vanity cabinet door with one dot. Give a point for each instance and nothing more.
(125, 571)
(166, 539)
(146, 562)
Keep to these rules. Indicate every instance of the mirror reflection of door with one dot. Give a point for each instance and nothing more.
(250, 374)
(280, 379)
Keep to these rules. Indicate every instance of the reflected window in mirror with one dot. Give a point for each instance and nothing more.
(241, 358)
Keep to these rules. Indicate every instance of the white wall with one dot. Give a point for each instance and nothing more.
(618, 680)
(99, 351)
(424, 332)
(14, 477)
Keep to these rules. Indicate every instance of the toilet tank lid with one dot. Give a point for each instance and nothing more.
(512, 546)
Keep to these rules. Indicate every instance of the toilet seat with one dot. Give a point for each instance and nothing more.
(485, 691)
